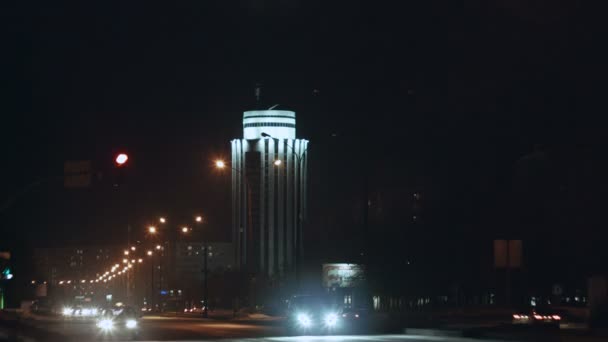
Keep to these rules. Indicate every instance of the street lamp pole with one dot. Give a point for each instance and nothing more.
(205, 288)
(221, 165)
(199, 220)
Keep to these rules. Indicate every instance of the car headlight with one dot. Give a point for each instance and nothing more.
(67, 311)
(304, 320)
(131, 324)
(106, 324)
(331, 319)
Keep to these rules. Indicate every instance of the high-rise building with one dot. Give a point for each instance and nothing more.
(268, 193)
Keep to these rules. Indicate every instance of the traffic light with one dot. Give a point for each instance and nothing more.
(121, 164)
(121, 159)
(7, 274)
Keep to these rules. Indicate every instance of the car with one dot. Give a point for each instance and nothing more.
(308, 314)
(122, 321)
(354, 320)
(194, 309)
(80, 312)
(353, 314)
(537, 316)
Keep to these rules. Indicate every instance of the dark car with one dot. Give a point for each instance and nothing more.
(119, 321)
(537, 316)
(354, 314)
(355, 320)
(312, 314)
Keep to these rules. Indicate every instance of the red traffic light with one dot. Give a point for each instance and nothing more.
(121, 159)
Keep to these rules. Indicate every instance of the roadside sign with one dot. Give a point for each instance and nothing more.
(508, 253)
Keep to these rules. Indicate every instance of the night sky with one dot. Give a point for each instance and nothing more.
(492, 111)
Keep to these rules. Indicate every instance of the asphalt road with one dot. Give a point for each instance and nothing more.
(156, 328)
(179, 329)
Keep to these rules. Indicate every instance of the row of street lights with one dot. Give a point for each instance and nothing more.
(154, 233)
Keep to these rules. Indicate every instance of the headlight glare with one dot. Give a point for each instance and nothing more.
(131, 323)
(304, 320)
(331, 319)
(106, 324)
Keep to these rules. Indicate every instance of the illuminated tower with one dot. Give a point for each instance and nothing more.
(268, 193)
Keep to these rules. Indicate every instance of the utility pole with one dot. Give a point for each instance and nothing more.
(206, 275)
(128, 273)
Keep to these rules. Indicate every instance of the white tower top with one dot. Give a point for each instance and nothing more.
(279, 124)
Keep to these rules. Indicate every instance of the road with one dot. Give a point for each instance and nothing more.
(156, 328)
(160, 329)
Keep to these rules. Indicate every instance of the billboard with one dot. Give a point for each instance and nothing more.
(343, 275)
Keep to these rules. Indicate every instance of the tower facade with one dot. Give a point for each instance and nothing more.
(268, 193)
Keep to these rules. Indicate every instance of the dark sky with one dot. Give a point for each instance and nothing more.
(439, 97)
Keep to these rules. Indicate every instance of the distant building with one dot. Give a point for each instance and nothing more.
(268, 193)
(189, 258)
(72, 263)
(176, 271)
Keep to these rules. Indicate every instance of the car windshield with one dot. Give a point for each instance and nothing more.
(313, 303)
(252, 170)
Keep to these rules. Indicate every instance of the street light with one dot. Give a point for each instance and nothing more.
(220, 164)
(162, 220)
(185, 230)
(149, 253)
(158, 247)
(133, 248)
(277, 162)
(126, 252)
(199, 219)
(152, 230)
